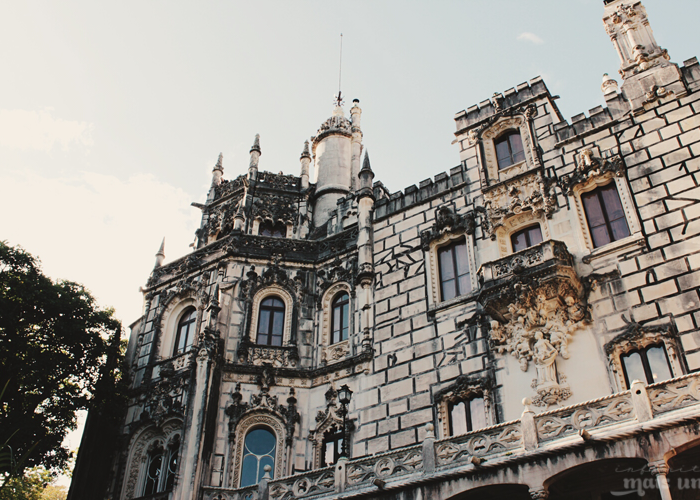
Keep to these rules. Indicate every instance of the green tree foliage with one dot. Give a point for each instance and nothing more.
(33, 485)
(56, 345)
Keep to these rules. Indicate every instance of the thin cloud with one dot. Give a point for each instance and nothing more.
(22, 129)
(530, 37)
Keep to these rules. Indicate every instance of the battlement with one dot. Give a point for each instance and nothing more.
(525, 92)
(426, 190)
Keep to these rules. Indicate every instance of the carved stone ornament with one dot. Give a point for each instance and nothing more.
(447, 221)
(275, 208)
(336, 124)
(262, 411)
(335, 276)
(229, 187)
(462, 389)
(326, 420)
(587, 167)
(220, 218)
(637, 336)
(167, 397)
(272, 275)
(279, 181)
(529, 193)
(542, 316)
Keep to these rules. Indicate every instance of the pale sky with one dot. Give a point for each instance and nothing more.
(112, 114)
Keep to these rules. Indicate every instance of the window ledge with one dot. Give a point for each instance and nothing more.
(447, 304)
(634, 240)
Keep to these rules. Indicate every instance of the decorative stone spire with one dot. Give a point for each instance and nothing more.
(255, 153)
(646, 71)
(305, 162)
(609, 85)
(160, 256)
(239, 218)
(366, 174)
(218, 171)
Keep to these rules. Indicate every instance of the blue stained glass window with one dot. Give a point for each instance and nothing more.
(258, 451)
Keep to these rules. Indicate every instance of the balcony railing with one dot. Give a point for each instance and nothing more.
(617, 414)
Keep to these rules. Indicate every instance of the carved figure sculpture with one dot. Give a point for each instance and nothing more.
(545, 355)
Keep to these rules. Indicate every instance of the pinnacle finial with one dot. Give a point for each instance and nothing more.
(220, 162)
(306, 153)
(365, 164)
(160, 255)
(256, 144)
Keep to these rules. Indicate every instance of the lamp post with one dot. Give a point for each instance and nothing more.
(344, 395)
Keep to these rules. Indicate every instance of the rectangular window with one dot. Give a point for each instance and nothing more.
(605, 215)
(525, 238)
(454, 270)
(467, 415)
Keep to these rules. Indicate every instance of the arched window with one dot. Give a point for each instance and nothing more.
(339, 319)
(185, 331)
(271, 322)
(454, 270)
(278, 230)
(509, 150)
(258, 451)
(525, 238)
(161, 467)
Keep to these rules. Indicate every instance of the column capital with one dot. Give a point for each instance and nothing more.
(539, 493)
(658, 468)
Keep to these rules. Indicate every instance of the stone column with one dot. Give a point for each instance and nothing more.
(528, 427)
(660, 470)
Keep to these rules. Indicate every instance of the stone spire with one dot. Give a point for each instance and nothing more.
(254, 158)
(218, 171)
(305, 162)
(160, 255)
(647, 75)
(366, 175)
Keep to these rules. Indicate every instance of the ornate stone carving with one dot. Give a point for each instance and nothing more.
(335, 352)
(275, 208)
(447, 221)
(335, 124)
(279, 181)
(529, 193)
(167, 397)
(228, 187)
(588, 166)
(337, 273)
(326, 420)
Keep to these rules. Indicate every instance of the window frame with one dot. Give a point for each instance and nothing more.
(451, 249)
(642, 351)
(191, 325)
(252, 326)
(272, 309)
(341, 302)
(277, 230)
(628, 207)
(506, 138)
(252, 421)
(607, 223)
(335, 435)
(272, 454)
(468, 413)
(525, 230)
(332, 352)
(431, 254)
(517, 124)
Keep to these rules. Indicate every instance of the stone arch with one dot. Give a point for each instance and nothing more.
(250, 421)
(516, 223)
(273, 290)
(495, 492)
(598, 476)
(331, 353)
(142, 439)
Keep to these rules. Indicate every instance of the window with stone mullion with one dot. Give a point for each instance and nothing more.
(649, 365)
(605, 215)
(526, 238)
(454, 270)
(271, 322)
(509, 150)
(332, 447)
(466, 415)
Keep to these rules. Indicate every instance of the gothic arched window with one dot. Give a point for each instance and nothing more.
(339, 318)
(258, 451)
(271, 322)
(185, 331)
(161, 467)
(509, 149)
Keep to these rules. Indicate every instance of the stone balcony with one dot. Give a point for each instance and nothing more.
(606, 428)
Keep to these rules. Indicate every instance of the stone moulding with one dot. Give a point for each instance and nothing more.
(499, 446)
(463, 388)
(589, 167)
(447, 221)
